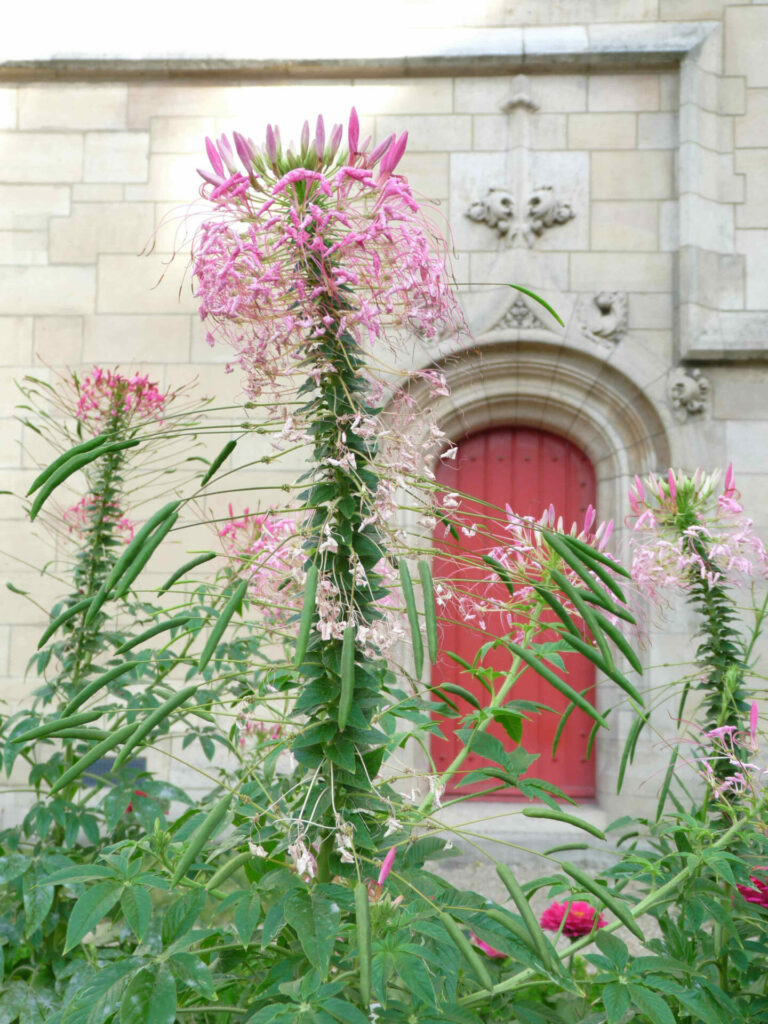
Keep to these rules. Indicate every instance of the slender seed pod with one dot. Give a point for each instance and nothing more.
(557, 608)
(227, 869)
(621, 642)
(628, 752)
(51, 728)
(413, 617)
(554, 680)
(524, 909)
(187, 567)
(585, 611)
(467, 950)
(145, 554)
(152, 720)
(587, 551)
(60, 619)
(507, 921)
(92, 755)
(200, 836)
(363, 925)
(82, 734)
(501, 572)
(561, 727)
(159, 627)
(610, 670)
(307, 614)
(601, 892)
(609, 606)
(224, 454)
(96, 684)
(221, 623)
(128, 556)
(347, 675)
(430, 612)
(580, 565)
(79, 449)
(71, 466)
(569, 819)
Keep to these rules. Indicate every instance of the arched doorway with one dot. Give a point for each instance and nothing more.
(528, 469)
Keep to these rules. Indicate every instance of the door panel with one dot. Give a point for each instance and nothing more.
(527, 469)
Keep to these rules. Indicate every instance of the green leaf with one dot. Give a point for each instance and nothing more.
(315, 920)
(617, 1001)
(136, 904)
(191, 971)
(414, 973)
(651, 1004)
(150, 998)
(98, 999)
(247, 914)
(92, 906)
(537, 298)
(37, 897)
(12, 866)
(345, 1012)
(614, 949)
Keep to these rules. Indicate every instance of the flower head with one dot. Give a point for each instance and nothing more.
(82, 516)
(301, 233)
(581, 918)
(686, 531)
(106, 398)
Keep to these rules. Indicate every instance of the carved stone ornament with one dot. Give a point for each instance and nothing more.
(540, 211)
(688, 390)
(605, 316)
(519, 317)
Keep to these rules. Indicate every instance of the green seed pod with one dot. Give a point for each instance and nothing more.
(413, 617)
(430, 612)
(200, 836)
(363, 924)
(79, 449)
(467, 950)
(60, 619)
(96, 684)
(227, 869)
(152, 720)
(221, 623)
(224, 454)
(347, 675)
(569, 819)
(524, 909)
(605, 897)
(307, 614)
(145, 554)
(159, 627)
(52, 728)
(187, 567)
(93, 754)
(555, 681)
(71, 466)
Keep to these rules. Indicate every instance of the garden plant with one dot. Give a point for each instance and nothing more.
(300, 889)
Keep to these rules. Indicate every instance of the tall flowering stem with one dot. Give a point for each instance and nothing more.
(316, 253)
(690, 535)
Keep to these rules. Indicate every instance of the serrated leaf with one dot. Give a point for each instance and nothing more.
(150, 998)
(136, 904)
(617, 1001)
(93, 905)
(414, 973)
(247, 915)
(651, 1004)
(98, 999)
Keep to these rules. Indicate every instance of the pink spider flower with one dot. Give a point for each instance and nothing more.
(267, 550)
(489, 950)
(758, 892)
(581, 918)
(685, 530)
(311, 239)
(80, 517)
(106, 399)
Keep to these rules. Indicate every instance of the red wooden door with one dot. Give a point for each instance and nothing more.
(528, 470)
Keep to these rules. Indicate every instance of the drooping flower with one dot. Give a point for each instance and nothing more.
(104, 398)
(386, 866)
(489, 950)
(581, 918)
(758, 892)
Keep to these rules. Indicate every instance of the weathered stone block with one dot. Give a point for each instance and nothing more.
(636, 175)
(111, 156)
(15, 340)
(632, 92)
(58, 340)
(429, 132)
(631, 272)
(136, 338)
(602, 131)
(657, 131)
(72, 107)
(19, 248)
(746, 29)
(92, 228)
(127, 284)
(751, 129)
(754, 164)
(171, 177)
(47, 290)
(41, 156)
(627, 226)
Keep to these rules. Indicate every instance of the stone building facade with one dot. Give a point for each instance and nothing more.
(610, 154)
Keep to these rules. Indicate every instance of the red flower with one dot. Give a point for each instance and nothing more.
(486, 948)
(136, 792)
(579, 918)
(759, 894)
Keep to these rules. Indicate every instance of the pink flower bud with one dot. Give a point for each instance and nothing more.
(271, 144)
(589, 518)
(729, 486)
(227, 154)
(353, 132)
(213, 156)
(639, 488)
(380, 150)
(320, 137)
(753, 716)
(304, 141)
(672, 484)
(386, 866)
(335, 141)
(244, 151)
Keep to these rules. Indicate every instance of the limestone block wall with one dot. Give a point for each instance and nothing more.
(646, 119)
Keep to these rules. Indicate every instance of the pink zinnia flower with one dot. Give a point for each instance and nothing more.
(758, 894)
(581, 918)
